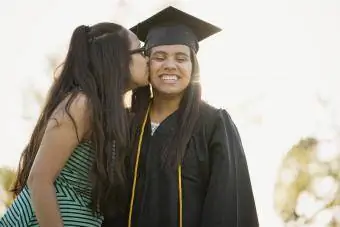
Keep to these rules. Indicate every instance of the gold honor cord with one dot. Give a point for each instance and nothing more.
(136, 173)
(136, 166)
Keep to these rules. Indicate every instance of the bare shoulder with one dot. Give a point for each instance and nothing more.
(74, 105)
(77, 102)
(72, 111)
(80, 102)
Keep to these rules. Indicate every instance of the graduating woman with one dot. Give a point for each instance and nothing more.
(188, 167)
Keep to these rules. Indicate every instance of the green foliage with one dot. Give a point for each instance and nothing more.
(7, 178)
(301, 177)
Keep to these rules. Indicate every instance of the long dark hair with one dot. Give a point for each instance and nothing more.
(97, 65)
(188, 114)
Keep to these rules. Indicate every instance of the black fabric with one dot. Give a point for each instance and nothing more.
(216, 185)
(173, 26)
(171, 34)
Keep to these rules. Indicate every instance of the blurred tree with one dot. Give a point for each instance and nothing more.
(307, 191)
(7, 177)
(308, 186)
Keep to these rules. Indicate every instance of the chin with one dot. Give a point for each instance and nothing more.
(168, 92)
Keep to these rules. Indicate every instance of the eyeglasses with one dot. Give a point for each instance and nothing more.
(138, 51)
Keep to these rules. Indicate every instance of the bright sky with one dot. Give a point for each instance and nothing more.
(268, 63)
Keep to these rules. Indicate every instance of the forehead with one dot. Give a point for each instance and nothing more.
(133, 38)
(171, 49)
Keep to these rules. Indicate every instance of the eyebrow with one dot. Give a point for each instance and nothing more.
(165, 53)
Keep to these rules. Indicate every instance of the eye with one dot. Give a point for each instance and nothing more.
(158, 58)
(181, 59)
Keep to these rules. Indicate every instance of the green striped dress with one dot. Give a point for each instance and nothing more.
(73, 190)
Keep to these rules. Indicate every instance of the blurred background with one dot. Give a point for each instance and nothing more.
(275, 68)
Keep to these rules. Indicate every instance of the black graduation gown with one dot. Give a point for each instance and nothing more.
(216, 187)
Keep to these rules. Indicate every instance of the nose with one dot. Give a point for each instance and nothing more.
(169, 64)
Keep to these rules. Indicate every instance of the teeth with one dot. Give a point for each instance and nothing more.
(169, 77)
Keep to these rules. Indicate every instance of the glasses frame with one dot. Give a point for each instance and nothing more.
(138, 51)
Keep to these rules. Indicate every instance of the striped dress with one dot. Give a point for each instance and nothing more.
(73, 190)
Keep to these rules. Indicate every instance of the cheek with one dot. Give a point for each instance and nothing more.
(135, 68)
(140, 64)
(153, 78)
(132, 62)
(187, 71)
(153, 69)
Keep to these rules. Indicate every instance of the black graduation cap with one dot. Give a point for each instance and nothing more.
(173, 26)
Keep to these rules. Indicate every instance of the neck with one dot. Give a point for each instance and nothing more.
(163, 106)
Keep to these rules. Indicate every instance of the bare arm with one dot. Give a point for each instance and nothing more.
(57, 145)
